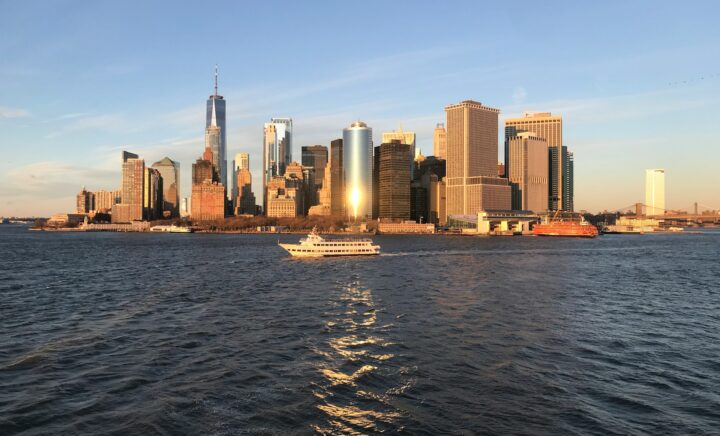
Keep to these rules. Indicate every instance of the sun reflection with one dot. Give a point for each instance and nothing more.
(352, 353)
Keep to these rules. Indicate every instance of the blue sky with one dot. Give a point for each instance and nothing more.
(638, 84)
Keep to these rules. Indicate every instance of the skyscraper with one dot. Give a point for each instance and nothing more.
(337, 179)
(568, 179)
(170, 172)
(215, 116)
(277, 150)
(153, 194)
(544, 125)
(472, 150)
(440, 141)
(394, 180)
(241, 161)
(314, 159)
(527, 171)
(404, 138)
(655, 192)
(84, 201)
(213, 142)
(357, 163)
(133, 189)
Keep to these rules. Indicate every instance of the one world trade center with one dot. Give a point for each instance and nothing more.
(216, 118)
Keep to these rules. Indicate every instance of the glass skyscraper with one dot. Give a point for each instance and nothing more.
(215, 116)
(357, 164)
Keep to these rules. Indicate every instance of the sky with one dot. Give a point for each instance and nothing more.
(637, 84)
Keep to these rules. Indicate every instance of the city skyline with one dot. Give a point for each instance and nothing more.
(644, 93)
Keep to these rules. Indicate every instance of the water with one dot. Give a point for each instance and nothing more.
(224, 334)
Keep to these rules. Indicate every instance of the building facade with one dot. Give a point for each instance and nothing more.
(170, 172)
(472, 183)
(655, 192)
(527, 171)
(84, 201)
(337, 179)
(208, 201)
(153, 194)
(547, 126)
(215, 117)
(440, 141)
(314, 159)
(404, 138)
(568, 180)
(106, 200)
(357, 166)
(133, 190)
(394, 180)
(241, 162)
(277, 150)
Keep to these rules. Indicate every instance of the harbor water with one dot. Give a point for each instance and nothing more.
(139, 333)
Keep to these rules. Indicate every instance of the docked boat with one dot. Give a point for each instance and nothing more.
(315, 245)
(171, 229)
(559, 227)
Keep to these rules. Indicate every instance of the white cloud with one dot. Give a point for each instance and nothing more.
(9, 112)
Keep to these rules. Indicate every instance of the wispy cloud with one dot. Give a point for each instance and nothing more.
(112, 123)
(9, 112)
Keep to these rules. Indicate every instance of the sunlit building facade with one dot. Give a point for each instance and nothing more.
(215, 117)
(655, 192)
(440, 141)
(277, 150)
(357, 163)
(547, 126)
(133, 189)
(527, 171)
(170, 172)
(472, 184)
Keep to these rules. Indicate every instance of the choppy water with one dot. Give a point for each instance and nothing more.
(224, 334)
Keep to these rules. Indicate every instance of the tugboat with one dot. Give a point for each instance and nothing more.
(561, 227)
(317, 246)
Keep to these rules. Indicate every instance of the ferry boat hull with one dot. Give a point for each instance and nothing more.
(316, 246)
(566, 228)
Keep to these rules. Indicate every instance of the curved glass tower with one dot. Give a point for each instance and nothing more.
(357, 163)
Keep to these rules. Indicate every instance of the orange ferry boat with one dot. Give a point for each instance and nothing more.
(582, 229)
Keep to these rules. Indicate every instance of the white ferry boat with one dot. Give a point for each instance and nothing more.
(317, 246)
(171, 229)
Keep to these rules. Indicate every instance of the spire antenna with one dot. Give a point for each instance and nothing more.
(216, 77)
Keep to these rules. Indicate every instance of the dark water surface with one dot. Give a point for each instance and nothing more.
(104, 333)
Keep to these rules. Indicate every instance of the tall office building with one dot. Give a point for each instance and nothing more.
(153, 194)
(277, 150)
(213, 142)
(245, 199)
(170, 172)
(655, 192)
(393, 176)
(106, 200)
(315, 159)
(404, 138)
(357, 163)
(133, 190)
(84, 201)
(207, 201)
(568, 179)
(241, 161)
(544, 125)
(472, 153)
(337, 179)
(527, 171)
(440, 141)
(215, 117)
